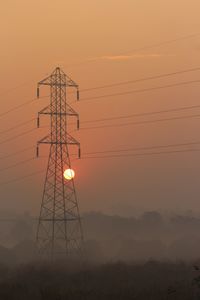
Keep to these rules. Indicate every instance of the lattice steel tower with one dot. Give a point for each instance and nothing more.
(59, 228)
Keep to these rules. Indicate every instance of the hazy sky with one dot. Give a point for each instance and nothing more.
(97, 43)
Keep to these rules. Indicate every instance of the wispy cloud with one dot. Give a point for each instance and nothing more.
(120, 57)
(129, 57)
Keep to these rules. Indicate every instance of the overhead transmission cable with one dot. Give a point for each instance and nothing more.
(16, 107)
(146, 148)
(115, 84)
(191, 36)
(19, 135)
(17, 164)
(155, 45)
(22, 178)
(17, 126)
(117, 125)
(107, 156)
(17, 152)
(141, 122)
(142, 154)
(176, 109)
(16, 136)
(119, 83)
(141, 90)
(19, 106)
(141, 79)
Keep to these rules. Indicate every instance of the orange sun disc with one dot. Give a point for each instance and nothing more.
(69, 174)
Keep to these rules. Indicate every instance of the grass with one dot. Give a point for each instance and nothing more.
(72, 281)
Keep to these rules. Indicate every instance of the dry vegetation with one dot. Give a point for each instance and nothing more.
(151, 280)
(147, 247)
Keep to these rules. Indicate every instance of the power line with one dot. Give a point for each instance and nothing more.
(121, 117)
(142, 90)
(107, 156)
(125, 117)
(115, 118)
(134, 50)
(141, 79)
(143, 114)
(22, 178)
(19, 135)
(118, 84)
(19, 106)
(16, 136)
(118, 125)
(20, 163)
(141, 122)
(112, 125)
(16, 107)
(146, 148)
(14, 88)
(142, 154)
(17, 152)
(17, 87)
(155, 45)
(118, 150)
(17, 164)
(17, 126)
(182, 38)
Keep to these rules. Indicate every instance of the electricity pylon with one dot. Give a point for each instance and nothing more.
(59, 228)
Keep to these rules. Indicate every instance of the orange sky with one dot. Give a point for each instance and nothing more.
(96, 42)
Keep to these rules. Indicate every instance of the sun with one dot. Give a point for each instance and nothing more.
(69, 174)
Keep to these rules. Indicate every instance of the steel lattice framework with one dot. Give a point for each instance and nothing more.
(59, 228)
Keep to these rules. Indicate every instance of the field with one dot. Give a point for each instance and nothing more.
(58, 281)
